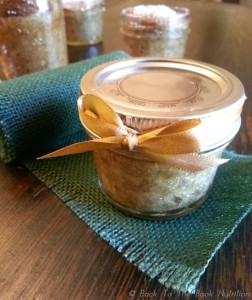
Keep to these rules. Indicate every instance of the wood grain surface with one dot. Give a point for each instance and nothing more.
(47, 253)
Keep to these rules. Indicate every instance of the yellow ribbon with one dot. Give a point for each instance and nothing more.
(176, 144)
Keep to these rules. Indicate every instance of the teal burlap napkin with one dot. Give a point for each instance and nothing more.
(37, 111)
(174, 251)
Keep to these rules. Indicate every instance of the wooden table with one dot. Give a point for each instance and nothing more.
(47, 253)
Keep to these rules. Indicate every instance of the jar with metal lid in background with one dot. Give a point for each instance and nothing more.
(149, 93)
(32, 36)
(84, 21)
(155, 30)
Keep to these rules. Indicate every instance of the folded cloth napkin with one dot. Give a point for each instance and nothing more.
(38, 108)
(38, 114)
(174, 251)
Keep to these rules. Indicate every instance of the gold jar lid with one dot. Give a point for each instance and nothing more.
(152, 92)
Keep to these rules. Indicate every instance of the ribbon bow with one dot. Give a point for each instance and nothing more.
(176, 144)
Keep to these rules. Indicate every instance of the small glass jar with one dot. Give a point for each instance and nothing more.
(84, 21)
(150, 189)
(32, 36)
(149, 93)
(155, 30)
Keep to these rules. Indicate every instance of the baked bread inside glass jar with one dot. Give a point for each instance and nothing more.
(155, 30)
(150, 93)
(84, 21)
(157, 128)
(32, 37)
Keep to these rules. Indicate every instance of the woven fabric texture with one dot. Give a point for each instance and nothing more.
(38, 114)
(38, 108)
(174, 251)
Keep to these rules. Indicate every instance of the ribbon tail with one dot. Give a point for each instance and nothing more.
(186, 162)
(81, 147)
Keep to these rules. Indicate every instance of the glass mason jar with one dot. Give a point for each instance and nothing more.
(148, 93)
(32, 36)
(84, 21)
(155, 30)
(155, 189)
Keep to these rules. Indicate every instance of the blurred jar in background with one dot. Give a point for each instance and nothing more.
(84, 21)
(32, 36)
(155, 30)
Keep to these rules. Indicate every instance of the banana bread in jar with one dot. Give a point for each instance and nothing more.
(32, 36)
(155, 30)
(84, 21)
(145, 175)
